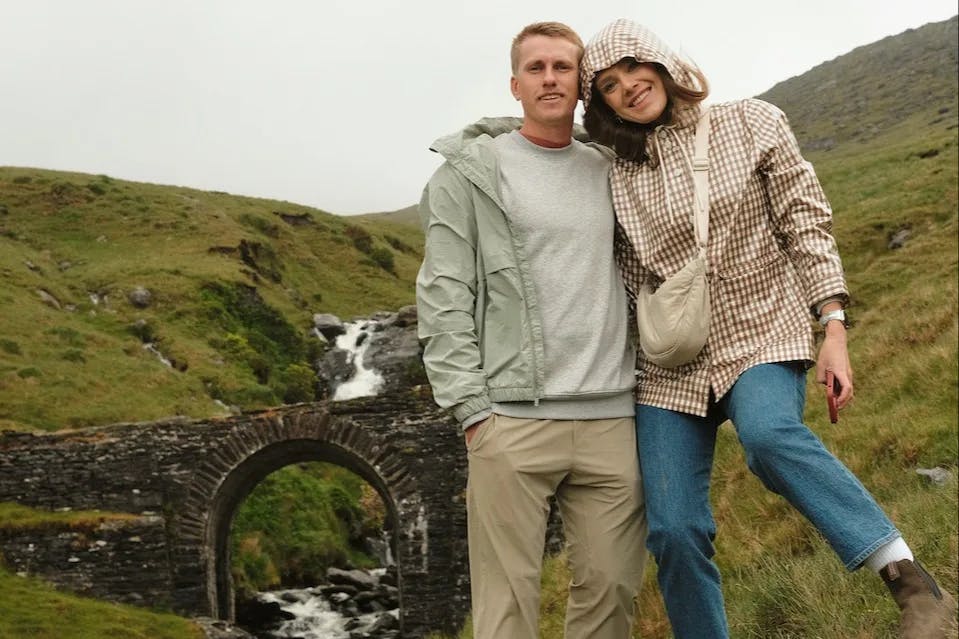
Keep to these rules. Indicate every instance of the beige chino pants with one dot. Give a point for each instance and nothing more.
(591, 467)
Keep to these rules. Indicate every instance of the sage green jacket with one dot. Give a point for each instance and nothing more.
(478, 317)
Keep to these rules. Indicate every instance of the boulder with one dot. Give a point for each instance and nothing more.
(140, 297)
(360, 579)
(328, 325)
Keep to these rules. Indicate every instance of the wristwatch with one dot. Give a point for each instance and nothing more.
(838, 314)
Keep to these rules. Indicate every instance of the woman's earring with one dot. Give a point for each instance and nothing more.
(619, 120)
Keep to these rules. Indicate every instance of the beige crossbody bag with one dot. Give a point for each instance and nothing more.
(674, 320)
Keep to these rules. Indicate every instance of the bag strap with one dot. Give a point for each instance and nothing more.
(701, 181)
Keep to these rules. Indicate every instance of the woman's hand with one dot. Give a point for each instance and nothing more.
(834, 356)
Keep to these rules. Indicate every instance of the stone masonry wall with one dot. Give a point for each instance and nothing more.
(170, 473)
(123, 561)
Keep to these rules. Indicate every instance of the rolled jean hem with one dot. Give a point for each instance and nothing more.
(860, 559)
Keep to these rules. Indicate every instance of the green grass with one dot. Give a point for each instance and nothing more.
(32, 610)
(16, 517)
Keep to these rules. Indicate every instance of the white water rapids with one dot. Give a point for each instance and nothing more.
(315, 619)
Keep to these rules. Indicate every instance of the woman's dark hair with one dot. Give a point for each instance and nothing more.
(628, 139)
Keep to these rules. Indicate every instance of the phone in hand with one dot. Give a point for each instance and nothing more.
(833, 388)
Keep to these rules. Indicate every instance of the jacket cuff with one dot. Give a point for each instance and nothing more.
(476, 418)
(470, 407)
(835, 298)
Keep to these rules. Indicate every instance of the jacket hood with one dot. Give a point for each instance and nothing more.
(456, 144)
(452, 145)
(627, 39)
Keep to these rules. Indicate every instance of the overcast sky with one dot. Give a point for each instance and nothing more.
(334, 103)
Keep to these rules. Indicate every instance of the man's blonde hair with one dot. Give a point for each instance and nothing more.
(549, 29)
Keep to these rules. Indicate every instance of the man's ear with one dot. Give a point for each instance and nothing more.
(514, 87)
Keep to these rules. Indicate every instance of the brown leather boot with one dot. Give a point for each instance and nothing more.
(927, 611)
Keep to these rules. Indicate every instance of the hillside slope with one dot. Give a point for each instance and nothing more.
(904, 81)
(233, 284)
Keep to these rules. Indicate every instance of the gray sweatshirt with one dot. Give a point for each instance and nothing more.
(558, 201)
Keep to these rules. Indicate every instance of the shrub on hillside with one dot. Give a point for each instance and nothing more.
(297, 383)
(239, 309)
(383, 258)
(399, 244)
(361, 238)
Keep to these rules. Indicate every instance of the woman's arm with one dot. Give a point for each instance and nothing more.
(802, 220)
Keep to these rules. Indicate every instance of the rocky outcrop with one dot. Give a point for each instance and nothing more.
(393, 351)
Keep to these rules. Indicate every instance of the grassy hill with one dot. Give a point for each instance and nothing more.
(907, 81)
(235, 277)
(408, 215)
(234, 283)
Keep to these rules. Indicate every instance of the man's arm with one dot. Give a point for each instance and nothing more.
(446, 297)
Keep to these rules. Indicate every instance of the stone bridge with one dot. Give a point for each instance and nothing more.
(181, 481)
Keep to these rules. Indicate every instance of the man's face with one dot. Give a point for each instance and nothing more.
(546, 81)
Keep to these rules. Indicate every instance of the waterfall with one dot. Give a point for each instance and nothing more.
(365, 382)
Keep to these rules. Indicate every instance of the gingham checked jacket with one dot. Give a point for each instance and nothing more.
(771, 254)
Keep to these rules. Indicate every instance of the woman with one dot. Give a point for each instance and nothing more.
(772, 261)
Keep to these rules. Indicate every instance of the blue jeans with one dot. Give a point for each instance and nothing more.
(676, 457)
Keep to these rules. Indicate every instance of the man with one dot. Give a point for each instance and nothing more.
(523, 317)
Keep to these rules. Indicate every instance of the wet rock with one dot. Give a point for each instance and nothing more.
(360, 579)
(220, 629)
(335, 367)
(257, 615)
(328, 325)
(406, 316)
(395, 353)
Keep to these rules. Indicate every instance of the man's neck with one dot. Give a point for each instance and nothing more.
(549, 137)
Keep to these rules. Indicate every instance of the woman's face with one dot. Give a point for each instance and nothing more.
(633, 90)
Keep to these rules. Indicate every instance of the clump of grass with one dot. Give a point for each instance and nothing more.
(30, 608)
(10, 347)
(74, 355)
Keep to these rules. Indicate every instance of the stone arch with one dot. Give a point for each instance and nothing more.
(238, 484)
(268, 442)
